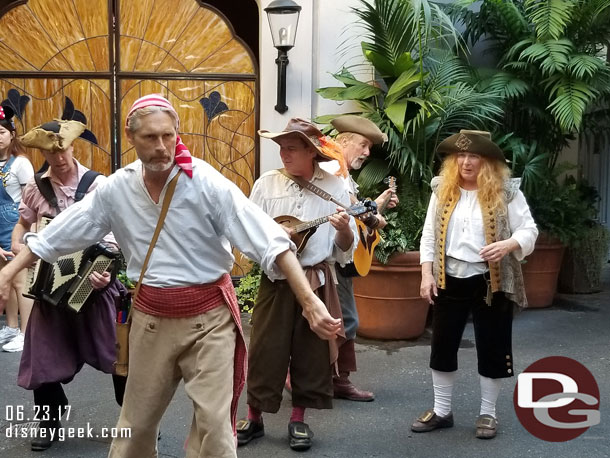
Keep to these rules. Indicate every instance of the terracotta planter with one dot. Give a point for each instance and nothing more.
(388, 302)
(541, 271)
(582, 265)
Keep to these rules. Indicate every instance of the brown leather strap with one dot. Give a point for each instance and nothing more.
(166, 200)
(313, 188)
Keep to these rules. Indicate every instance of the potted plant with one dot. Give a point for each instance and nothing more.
(553, 74)
(395, 310)
(585, 254)
(421, 92)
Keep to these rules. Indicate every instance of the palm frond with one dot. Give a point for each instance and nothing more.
(373, 173)
(395, 27)
(571, 100)
(506, 85)
(551, 55)
(445, 68)
(551, 17)
(580, 65)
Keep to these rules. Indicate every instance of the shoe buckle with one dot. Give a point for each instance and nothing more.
(486, 422)
(299, 431)
(241, 424)
(426, 416)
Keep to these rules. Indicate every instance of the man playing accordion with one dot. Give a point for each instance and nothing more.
(59, 341)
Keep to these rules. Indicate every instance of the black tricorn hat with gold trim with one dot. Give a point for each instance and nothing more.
(471, 141)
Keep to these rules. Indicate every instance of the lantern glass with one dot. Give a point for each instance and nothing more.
(283, 23)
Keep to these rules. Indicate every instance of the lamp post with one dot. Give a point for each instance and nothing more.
(283, 18)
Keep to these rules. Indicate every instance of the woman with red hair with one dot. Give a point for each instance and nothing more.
(478, 228)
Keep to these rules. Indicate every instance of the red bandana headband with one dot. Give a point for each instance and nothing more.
(182, 155)
(2, 115)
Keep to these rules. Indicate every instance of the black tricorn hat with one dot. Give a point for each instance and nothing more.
(471, 141)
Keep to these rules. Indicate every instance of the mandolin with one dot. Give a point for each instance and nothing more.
(302, 231)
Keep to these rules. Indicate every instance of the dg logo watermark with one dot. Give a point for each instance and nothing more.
(557, 399)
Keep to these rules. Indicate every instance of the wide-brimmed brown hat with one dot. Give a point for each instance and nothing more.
(305, 131)
(56, 135)
(471, 141)
(359, 125)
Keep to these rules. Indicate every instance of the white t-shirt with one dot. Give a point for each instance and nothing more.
(19, 174)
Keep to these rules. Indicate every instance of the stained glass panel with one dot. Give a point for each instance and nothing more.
(50, 99)
(197, 40)
(63, 39)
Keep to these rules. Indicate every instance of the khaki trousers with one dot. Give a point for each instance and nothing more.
(163, 351)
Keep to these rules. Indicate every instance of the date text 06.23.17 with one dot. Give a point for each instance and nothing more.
(39, 413)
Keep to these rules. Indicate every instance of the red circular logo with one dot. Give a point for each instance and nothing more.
(557, 399)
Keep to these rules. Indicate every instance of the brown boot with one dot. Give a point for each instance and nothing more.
(345, 389)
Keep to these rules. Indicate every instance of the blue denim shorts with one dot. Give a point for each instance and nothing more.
(9, 215)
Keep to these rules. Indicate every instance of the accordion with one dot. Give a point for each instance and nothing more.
(65, 283)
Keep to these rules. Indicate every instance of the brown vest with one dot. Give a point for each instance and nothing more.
(505, 275)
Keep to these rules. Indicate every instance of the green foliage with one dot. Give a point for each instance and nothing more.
(422, 92)
(550, 17)
(565, 209)
(552, 49)
(247, 290)
(122, 277)
(405, 224)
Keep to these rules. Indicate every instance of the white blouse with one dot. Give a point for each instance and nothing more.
(466, 234)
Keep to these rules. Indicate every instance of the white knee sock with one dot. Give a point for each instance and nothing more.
(443, 387)
(490, 389)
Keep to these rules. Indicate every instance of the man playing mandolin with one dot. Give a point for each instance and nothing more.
(356, 135)
(280, 336)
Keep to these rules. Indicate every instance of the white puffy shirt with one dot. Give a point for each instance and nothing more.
(207, 214)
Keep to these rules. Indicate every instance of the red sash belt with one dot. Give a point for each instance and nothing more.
(182, 301)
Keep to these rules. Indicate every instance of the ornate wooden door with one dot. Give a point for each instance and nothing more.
(93, 58)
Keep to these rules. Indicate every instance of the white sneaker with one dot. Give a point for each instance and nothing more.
(16, 344)
(7, 334)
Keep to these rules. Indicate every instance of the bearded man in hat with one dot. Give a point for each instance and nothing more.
(356, 136)
(185, 319)
(477, 230)
(281, 338)
(58, 342)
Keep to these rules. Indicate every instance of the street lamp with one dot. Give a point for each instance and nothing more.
(283, 18)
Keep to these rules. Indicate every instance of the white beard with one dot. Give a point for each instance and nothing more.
(159, 166)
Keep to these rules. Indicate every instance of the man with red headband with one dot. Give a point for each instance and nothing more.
(185, 322)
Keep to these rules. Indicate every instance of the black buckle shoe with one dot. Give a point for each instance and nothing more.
(248, 430)
(300, 436)
(43, 439)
